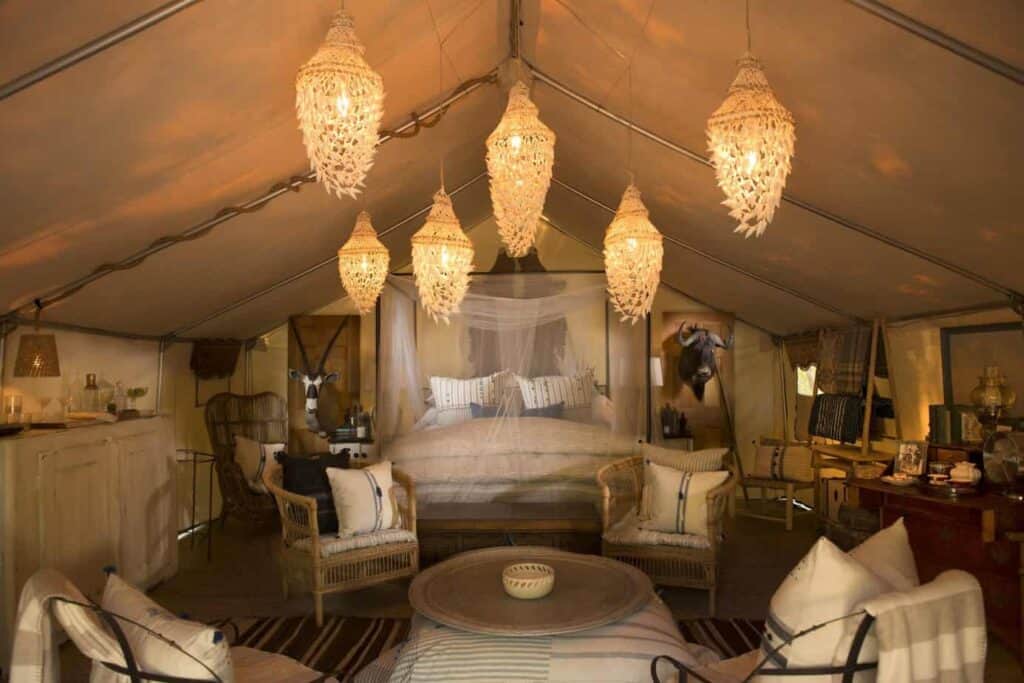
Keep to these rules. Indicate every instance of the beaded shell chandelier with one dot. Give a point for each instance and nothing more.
(363, 265)
(520, 155)
(442, 259)
(339, 100)
(633, 254)
(750, 140)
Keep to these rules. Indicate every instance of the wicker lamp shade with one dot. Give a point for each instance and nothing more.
(633, 254)
(750, 139)
(520, 156)
(37, 356)
(339, 101)
(363, 265)
(442, 259)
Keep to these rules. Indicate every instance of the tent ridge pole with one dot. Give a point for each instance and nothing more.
(806, 206)
(940, 39)
(316, 266)
(93, 47)
(719, 261)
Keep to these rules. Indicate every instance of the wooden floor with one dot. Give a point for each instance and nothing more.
(242, 580)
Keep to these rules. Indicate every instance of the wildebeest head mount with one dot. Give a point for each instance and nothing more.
(697, 362)
(313, 377)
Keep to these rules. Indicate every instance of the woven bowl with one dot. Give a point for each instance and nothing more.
(529, 580)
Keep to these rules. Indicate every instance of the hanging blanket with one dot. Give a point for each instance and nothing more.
(837, 416)
(843, 359)
(932, 634)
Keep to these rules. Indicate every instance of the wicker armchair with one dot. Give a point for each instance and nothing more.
(621, 484)
(303, 549)
(263, 418)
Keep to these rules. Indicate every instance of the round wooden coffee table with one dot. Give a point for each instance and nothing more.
(466, 592)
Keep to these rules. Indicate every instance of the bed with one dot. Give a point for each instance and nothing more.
(529, 459)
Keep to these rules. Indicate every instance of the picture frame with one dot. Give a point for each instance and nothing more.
(911, 458)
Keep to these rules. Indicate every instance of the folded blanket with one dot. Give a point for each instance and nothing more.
(932, 634)
(837, 416)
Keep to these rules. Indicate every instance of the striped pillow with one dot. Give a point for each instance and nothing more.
(674, 501)
(706, 460)
(454, 398)
(783, 463)
(575, 391)
(363, 499)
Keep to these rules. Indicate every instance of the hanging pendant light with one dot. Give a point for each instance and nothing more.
(363, 265)
(339, 101)
(633, 255)
(442, 259)
(750, 139)
(520, 156)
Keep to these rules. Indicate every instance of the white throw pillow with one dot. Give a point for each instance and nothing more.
(674, 501)
(452, 397)
(706, 460)
(888, 555)
(362, 498)
(153, 655)
(252, 457)
(783, 463)
(574, 391)
(826, 584)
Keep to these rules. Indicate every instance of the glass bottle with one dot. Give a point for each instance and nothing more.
(91, 394)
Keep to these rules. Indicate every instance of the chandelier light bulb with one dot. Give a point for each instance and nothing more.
(520, 157)
(442, 259)
(339, 101)
(751, 137)
(633, 254)
(363, 264)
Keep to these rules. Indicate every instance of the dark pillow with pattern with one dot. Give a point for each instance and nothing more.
(554, 410)
(479, 410)
(308, 477)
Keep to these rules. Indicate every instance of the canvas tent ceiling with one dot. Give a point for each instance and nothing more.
(161, 131)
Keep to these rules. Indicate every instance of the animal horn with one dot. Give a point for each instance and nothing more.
(718, 340)
(685, 342)
(330, 344)
(679, 335)
(302, 349)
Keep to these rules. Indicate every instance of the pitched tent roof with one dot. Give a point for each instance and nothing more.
(900, 143)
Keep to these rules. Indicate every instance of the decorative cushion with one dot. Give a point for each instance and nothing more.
(204, 643)
(252, 457)
(362, 498)
(483, 411)
(783, 463)
(706, 460)
(628, 531)
(454, 398)
(332, 545)
(889, 556)
(308, 477)
(554, 410)
(827, 584)
(575, 391)
(674, 501)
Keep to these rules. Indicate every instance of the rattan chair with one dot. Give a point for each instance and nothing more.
(303, 549)
(262, 417)
(787, 485)
(621, 484)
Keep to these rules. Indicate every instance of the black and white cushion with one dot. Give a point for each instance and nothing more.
(453, 398)
(574, 392)
(362, 499)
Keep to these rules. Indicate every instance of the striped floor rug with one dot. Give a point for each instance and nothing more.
(344, 645)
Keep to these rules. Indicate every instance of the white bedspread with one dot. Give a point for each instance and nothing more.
(531, 459)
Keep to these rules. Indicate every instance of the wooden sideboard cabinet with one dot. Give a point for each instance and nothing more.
(82, 499)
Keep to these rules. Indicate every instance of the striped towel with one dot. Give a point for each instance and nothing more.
(837, 416)
(619, 652)
(934, 633)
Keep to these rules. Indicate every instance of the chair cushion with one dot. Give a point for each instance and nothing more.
(628, 531)
(889, 556)
(200, 641)
(706, 460)
(363, 498)
(252, 457)
(826, 584)
(783, 463)
(257, 666)
(308, 477)
(332, 545)
(674, 501)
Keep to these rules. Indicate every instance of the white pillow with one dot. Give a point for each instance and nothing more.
(674, 501)
(706, 460)
(574, 391)
(888, 555)
(826, 584)
(428, 420)
(252, 457)
(603, 411)
(452, 397)
(152, 654)
(362, 498)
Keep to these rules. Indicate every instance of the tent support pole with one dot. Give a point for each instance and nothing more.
(94, 47)
(806, 206)
(940, 39)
